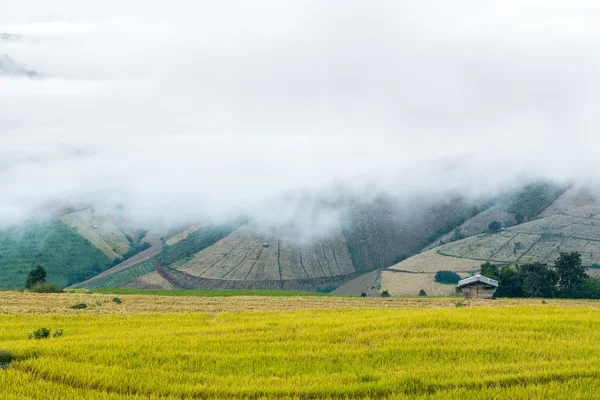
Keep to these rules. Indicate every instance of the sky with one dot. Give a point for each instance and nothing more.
(188, 109)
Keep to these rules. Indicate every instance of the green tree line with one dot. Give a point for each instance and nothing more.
(566, 278)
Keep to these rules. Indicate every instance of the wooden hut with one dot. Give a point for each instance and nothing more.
(477, 287)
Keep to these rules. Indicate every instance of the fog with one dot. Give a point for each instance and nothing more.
(185, 110)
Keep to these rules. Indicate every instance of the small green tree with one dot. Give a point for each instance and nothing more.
(385, 293)
(447, 277)
(422, 293)
(519, 218)
(495, 226)
(570, 272)
(35, 277)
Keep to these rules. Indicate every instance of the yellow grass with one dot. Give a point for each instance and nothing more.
(426, 348)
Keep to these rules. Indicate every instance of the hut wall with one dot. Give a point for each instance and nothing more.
(478, 291)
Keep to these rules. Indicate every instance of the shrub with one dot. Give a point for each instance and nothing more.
(41, 333)
(447, 277)
(35, 277)
(495, 226)
(116, 300)
(45, 333)
(363, 294)
(79, 306)
(422, 293)
(6, 357)
(47, 287)
(385, 293)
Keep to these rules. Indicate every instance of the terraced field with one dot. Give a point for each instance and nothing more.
(247, 256)
(156, 347)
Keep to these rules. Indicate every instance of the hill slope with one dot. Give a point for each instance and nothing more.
(66, 256)
(571, 223)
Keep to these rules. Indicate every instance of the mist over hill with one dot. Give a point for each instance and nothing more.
(391, 123)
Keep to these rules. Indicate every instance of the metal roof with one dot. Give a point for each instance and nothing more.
(475, 279)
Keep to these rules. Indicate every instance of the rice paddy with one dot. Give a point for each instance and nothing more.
(159, 347)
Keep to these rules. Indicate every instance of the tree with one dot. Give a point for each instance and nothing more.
(537, 280)
(36, 276)
(385, 293)
(449, 277)
(509, 281)
(519, 218)
(495, 226)
(570, 272)
(422, 293)
(490, 270)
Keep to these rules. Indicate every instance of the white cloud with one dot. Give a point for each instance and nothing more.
(191, 109)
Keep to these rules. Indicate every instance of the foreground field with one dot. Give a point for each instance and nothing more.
(423, 348)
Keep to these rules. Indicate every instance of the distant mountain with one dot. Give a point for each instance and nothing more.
(10, 67)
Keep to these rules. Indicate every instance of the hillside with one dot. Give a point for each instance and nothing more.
(66, 256)
(245, 255)
(72, 247)
(571, 223)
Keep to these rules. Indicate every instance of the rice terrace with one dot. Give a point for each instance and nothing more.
(294, 346)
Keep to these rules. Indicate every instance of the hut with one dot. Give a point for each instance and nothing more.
(477, 287)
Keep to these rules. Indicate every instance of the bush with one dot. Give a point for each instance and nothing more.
(495, 226)
(45, 333)
(117, 300)
(385, 293)
(35, 277)
(363, 294)
(422, 293)
(6, 357)
(42, 333)
(447, 277)
(47, 287)
(79, 306)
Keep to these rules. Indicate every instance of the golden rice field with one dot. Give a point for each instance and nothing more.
(308, 349)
